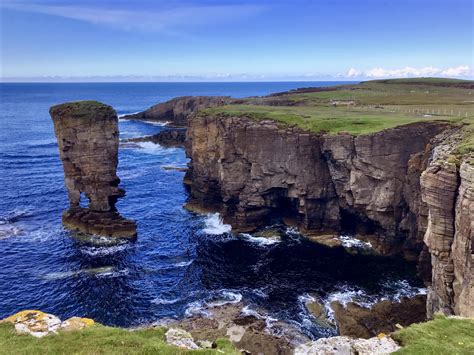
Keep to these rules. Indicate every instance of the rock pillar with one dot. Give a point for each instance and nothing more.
(88, 139)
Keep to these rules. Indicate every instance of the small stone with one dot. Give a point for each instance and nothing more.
(180, 338)
(205, 344)
(235, 333)
(76, 323)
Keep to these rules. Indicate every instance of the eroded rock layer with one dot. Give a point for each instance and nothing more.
(253, 170)
(88, 138)
(448, 190)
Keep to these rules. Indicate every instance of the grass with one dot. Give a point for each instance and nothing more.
(439, 336)
(375, 106)
(327, 119)
(99, 340)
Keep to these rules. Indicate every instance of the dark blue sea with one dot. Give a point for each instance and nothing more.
(181, 261)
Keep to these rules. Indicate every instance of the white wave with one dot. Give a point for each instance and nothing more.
(395, 290)
(126, 114)
(183, 263)
(112, 273)
(345, 296)
(157, 123)
(261, 240)
(177, 265)
(103, 250)
(7, 230)
(247, 311)
(197, 308)
(306, 298)
(151, 148)
(159, 300)
(60, 275)
(215, 225)
(216, 299)
(105, 271)
(260, 292)
(351, 242)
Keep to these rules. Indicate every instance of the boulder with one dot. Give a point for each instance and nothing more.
(34, 322)
(342, 345)
(180, 338)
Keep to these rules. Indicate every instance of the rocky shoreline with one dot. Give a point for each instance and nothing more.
(249, 332)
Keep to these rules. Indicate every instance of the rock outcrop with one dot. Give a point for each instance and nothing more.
(88, 139)
(342, 345)
(173, 137)
(448, 190)
(360, 322)
(255, 170)
(177, 111)
(40, 324)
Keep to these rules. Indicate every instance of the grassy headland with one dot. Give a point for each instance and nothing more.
(367, 107)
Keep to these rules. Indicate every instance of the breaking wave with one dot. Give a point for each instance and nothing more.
(214, 225)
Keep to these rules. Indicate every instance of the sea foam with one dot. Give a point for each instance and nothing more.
(214, 225)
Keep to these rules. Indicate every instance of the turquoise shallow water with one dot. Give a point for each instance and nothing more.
(181, 261)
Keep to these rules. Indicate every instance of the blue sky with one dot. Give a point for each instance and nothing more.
(235, 40)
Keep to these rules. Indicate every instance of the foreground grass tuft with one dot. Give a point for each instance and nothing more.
(439, 336)
(99, 340)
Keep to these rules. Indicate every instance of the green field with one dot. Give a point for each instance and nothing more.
(99, 340)
(439, 336)
(366, 107)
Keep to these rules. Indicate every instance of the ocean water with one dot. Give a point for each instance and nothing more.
(181, 261)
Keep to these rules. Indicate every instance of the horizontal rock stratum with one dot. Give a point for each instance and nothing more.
(88, 140)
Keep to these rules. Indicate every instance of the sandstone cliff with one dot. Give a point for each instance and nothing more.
(177, 111)
(448, 190)
(255, 170)
(88, 139)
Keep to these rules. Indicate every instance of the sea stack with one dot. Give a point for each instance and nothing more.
(88, 140)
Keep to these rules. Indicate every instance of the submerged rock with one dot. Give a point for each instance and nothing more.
(318, 311)
(383, 317)
(88, 138)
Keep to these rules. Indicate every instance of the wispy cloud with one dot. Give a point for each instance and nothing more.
(406, 72)
(149, 18)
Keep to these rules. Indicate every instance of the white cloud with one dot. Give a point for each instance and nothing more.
(407, 72)
(153, 19)
(353, 73)
(462, 70)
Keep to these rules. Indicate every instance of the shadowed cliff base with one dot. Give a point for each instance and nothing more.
(88, 138)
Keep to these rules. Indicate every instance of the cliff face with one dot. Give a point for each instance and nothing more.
(88, 139)
(396, 185)
(448, 191)
(253, 170)
(177, 111)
